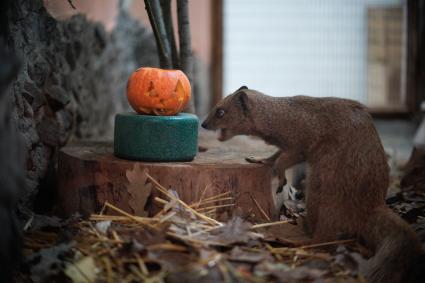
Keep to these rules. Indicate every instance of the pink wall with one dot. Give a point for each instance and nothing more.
(105, 11)
(200, 19)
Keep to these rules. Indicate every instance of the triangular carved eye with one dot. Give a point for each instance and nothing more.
(151, 86)
(151, 90)
(179, 90)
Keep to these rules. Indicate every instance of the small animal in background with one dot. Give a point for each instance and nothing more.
(347, 170)
(290, 203)
(291, 193)
(290, 197)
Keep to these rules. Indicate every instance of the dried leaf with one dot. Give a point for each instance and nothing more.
(130, 247)
(138, 189)
(103, 226)
(266, 268)
(83, 271)
(301, 273)
(235, 231)
(237, 254)
(289, 234)
(39, 222)
(142, 236)
(43, 221)
(179, 245)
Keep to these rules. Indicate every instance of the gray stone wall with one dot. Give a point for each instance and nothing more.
(71, 83)
(12, 171)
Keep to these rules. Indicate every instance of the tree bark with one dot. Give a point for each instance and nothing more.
(221, 169)
(169, 28)
(185, 45)
(156, 19)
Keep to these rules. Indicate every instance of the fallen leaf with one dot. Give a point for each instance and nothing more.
(300, 273)
(237, 254)
(39, 222)
(103, 226)
(83, 271)
(266, 268)
(235, 231)
(138, 189)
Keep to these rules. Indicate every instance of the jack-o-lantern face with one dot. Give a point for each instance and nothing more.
(159, 92)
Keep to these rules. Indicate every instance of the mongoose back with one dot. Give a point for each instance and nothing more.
(348, 174)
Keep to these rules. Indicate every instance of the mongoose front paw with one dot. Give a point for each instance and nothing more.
(252, 159)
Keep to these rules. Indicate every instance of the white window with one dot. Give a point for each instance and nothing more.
(290, 47)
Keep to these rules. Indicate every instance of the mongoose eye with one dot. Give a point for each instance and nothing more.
(219, 113)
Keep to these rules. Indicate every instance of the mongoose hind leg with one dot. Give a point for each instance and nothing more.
(325, 222)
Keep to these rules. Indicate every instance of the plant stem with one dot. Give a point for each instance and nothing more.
(154, 11)
(185, 44)
(169, 28)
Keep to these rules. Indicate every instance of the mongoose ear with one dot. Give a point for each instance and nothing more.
(242, 87)
(243, 101)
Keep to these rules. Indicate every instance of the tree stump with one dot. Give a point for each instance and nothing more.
(89, 175)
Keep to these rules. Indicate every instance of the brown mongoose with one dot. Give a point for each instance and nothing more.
(347, 177)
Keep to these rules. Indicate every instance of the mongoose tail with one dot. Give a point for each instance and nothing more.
(395, 244)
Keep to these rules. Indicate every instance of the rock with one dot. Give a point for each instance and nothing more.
(72, 80)
(12, 170)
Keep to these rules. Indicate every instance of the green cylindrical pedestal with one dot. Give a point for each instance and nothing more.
(156, 138)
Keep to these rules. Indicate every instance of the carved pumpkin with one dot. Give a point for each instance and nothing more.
(157, 91)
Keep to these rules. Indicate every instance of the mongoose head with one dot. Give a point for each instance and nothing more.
(230, 116)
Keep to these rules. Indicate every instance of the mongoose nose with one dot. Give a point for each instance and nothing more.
(204, 125)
